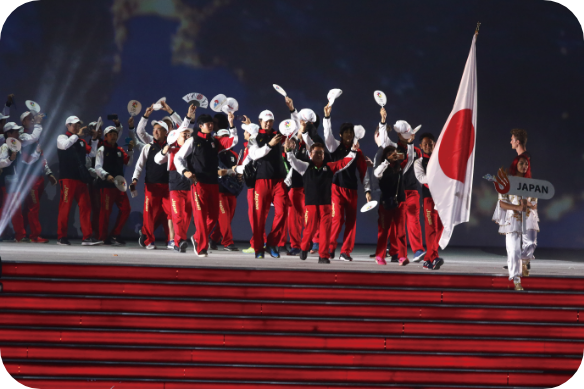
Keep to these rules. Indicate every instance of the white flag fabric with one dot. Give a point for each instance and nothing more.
(450, 169)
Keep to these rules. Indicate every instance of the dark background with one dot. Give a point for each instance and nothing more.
(89, 58)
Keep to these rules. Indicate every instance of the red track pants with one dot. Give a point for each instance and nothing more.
(388, 226)
(295, 216)
(287, 206)
(250, 212)
(412, 219)
(156, 210)
(32, 206)
(344, 211)
(182, 213)
(227, 205)
(317, 218)
(95, 207)
(10, 203)
(266, 192)
(433, 226)
(205, 200)
(109, 197)
(74, 190)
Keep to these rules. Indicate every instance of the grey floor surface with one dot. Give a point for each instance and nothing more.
(457, 260)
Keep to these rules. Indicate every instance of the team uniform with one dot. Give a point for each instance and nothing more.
(317, 197)
(410, 208)
(199, 155)
(180, 194)
(391, 183)
(269, 188)
(34, 168)
(344, 192)
(432, 223)
(110, 160)
(227, 201)
(73, 180)
(8, 186)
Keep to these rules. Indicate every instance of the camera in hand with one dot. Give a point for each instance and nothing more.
(113, 116)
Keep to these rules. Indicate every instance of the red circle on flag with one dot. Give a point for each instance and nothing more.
(457, 145)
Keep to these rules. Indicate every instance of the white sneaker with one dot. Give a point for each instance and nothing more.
(170, 245)
(151, 246)
(203, 253)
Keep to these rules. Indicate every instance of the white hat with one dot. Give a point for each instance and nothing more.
(251, 128)
(160, 123)
(223, 132)
(230, 105)
(307, 115)
(92, 124)
(109, 129)
(333, 95)
(24, 115)
(2, 116)
(11, 126)
(72, 120)
(404, 129)
(172, 137)
(266, 115)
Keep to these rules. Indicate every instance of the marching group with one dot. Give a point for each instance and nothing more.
(191, 172)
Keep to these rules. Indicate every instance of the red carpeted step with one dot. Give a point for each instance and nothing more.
(271, 341)
(443, 312)
(62, 384)
(332, 326)
(373, 278)
(300, 293)
(293, 358)
(282, 374)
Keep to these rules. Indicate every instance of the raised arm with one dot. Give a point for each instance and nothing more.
(162, 156)
(342, 164)
(331, 143)
(27, 139)
(299, 166)
(141, 130)
(5, 159)
(379, 170)
(228, 143)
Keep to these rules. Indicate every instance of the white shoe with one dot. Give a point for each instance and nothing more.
(202, 253)
(151, 246)
(170, 245)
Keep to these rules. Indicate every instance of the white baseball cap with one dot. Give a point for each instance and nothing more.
(252, 128)
(307, 115)
(11, 126)
(72, 120)
(109, 129)
(2, 116)
(404, 129)
(223, 132)
(24, 115)
(266, 115)
(160, 123)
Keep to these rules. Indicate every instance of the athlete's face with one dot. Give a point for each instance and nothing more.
(28, 122)
(347, 137)
(182, 138)
(111, 137)
(522, 166)
(207, 128)
(427, 145)
(246, 135)
(317, 155)
(266, 124)
(159, 132)
(514, 142)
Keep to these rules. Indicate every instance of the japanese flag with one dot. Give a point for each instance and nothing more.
(450, 169)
